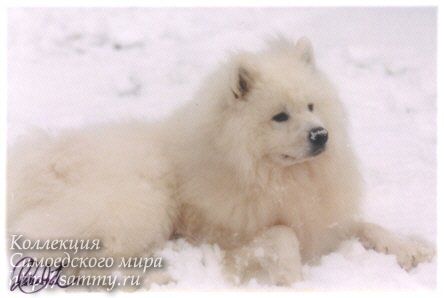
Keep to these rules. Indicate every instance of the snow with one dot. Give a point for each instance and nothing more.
(71, 67)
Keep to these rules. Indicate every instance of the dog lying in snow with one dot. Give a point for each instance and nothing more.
(259, 162)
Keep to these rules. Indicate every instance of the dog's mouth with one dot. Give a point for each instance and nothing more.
(288, 157)
(288, 160)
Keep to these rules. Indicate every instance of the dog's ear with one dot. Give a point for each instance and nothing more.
(244, 83)
(243, 79)
(304, 50)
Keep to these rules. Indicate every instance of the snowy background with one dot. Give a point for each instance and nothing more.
(71, 67)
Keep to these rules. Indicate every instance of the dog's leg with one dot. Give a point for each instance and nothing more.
(408, 252)
(271, 257)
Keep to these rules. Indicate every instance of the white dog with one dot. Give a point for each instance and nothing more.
(259, 162)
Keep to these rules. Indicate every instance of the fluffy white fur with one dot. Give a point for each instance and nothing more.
(219, 170)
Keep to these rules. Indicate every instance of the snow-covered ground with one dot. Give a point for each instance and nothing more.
(71, 67)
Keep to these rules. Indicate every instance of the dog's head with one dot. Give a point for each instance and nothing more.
(280, 106)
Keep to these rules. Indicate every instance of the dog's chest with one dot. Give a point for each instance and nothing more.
(229, 217)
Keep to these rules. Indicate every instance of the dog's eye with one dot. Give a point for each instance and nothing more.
(310, 107)
(281, 117)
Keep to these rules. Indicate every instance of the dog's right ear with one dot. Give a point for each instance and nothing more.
(243, 80)
(304, 50)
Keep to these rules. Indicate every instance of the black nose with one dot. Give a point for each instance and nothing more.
(318, 136)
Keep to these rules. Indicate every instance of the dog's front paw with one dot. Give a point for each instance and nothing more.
(409, 253)
(271, 258)
(277, 250)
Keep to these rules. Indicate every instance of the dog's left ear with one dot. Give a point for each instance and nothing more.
(243, 79)
(244, 83)
(305, 50)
